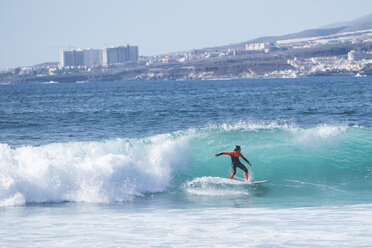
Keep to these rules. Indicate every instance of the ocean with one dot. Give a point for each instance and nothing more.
(130, 164)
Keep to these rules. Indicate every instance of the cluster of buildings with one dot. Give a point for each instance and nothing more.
(359, 36)
(181, 57)
(192, 55)
(258, 47)
(354, 61)
(96, 57)
(101, 60)
(359, 55)
(81, 60)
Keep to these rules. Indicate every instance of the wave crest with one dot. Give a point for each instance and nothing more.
(111, 170)
(121, 169)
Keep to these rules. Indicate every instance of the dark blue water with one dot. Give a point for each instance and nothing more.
(36, 114)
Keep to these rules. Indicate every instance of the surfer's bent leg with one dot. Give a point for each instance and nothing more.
(241, 166)
(234, 171)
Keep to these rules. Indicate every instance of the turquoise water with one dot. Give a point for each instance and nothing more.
(128, 159)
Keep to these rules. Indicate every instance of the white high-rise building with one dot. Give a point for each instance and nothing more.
(71, 58)
(257, 46)
(119, 54)
(105, 56)
(133, 53)
(92, 57)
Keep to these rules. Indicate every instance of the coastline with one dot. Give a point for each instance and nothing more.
(326, 60)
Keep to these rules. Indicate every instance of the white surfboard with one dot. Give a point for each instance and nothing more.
(253, 182)
(258, 182)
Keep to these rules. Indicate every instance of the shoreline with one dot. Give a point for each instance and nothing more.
(325, 60)
(112, 78)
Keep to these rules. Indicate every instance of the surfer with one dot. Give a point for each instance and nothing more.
(235, 162)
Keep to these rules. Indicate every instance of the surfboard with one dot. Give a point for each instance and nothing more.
(253, 182)
(259, 182)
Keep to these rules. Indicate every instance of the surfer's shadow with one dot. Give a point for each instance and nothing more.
(259, 191)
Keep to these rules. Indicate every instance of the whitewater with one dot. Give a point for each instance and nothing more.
(324, 163)
(126, 164)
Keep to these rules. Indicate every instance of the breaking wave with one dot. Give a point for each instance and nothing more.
(324, 158)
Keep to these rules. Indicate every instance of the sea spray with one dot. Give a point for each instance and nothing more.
(102, 171)
(215, 186)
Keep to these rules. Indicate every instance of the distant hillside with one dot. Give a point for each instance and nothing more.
(304, 34)
(316, 32)
(357, 27)
(367, 18)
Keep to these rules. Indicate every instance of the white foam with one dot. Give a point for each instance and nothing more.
(316, 136)
(249, 126)
(111, 170)
(15, 200)
(215, 186)
(322, 131)
(241, 226)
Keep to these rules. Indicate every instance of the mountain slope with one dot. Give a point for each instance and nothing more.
(363, 19)
(357, 25)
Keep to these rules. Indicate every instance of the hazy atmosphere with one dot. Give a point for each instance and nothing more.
(34, 32)
(198, 123)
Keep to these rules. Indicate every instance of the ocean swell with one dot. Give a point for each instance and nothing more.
(324, 159)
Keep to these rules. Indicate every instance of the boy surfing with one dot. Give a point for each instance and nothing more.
(235, 162)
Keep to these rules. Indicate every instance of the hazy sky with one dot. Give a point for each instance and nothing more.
(34, 31)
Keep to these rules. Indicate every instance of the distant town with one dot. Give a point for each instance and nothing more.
(319, 52)
(89, 58)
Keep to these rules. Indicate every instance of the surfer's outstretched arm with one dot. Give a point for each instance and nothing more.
(222, 153)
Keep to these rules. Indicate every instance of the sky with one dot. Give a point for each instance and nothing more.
(35, 31)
